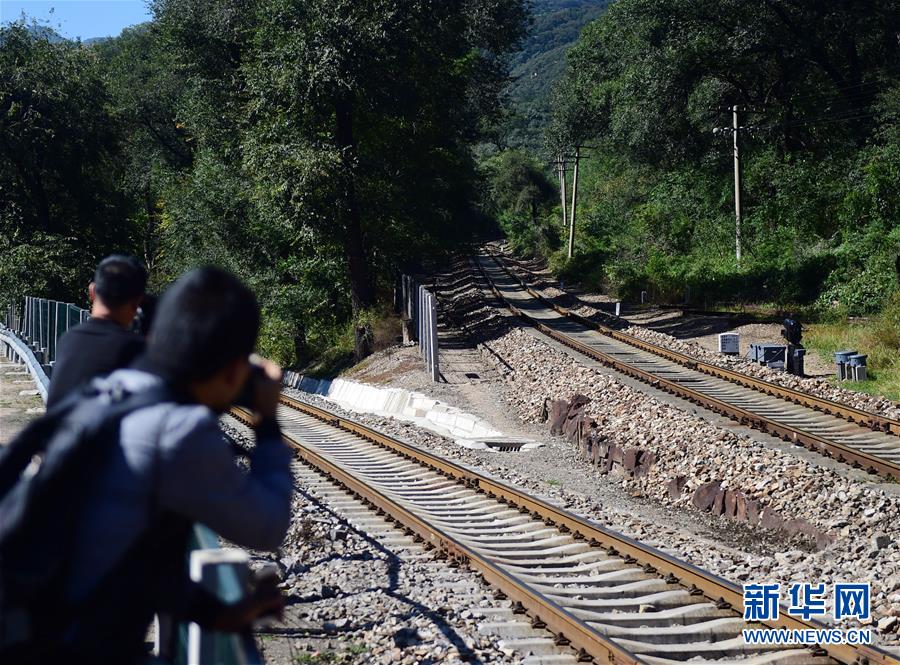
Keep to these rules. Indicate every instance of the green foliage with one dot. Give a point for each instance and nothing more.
(328, 144)
(314, 148)
(276, 340)
(539, 64)
(878, 337)
(519, 197)
(886, 331)
(646, 84)
(42, 264)
(517, 184)
(61, 207)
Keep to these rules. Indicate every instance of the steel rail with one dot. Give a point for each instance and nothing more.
(823, 446)
(874, 421)
(568, 628)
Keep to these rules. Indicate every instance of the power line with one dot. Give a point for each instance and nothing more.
(831, 93)
(842, 116)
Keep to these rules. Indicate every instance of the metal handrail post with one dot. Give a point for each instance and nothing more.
(55, 329)
(429, 331)
(433, 341)
(68, 313)
(421, 312)
(41, 323)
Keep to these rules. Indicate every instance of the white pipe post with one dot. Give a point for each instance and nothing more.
(56, 330)
(426, 336)
(206, 647)
(426, 326)
(46, 344)
(432, 311)
(420, 307)
(738, 211)
(41, 324)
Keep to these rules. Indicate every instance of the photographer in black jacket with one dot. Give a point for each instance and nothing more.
(105, 342)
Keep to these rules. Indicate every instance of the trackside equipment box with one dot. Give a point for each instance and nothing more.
(729, 343)
(767, 353)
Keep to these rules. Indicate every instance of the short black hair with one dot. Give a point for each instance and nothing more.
(119, 279)
(207, 319)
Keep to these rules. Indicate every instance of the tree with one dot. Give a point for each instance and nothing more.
(146, 92)
(361, 114)
(59, 156)
(323, 134)
(648, 81)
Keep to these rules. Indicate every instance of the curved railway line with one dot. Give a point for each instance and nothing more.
(859, 438)
(607, 597)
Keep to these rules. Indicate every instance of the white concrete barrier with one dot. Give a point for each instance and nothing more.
(465, 429)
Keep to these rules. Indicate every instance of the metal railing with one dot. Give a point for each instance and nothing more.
(28, 335)
(419, 307)
(226, 573)
(40, 322)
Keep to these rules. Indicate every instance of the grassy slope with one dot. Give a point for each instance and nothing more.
(879, 338)
(883, 361)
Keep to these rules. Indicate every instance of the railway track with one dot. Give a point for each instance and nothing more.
(607, 597)
(859, 438)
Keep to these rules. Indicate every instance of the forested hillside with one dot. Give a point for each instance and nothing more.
(313, 147)
(644, 88)
(540, 64)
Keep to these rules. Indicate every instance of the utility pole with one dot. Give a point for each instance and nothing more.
(561, 172)
(736, 130)
(574, 203)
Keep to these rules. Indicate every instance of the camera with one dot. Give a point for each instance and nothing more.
(247, 396)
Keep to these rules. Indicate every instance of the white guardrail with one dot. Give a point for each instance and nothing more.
(28, 336)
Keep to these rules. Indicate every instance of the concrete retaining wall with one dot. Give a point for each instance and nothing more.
(464, 428)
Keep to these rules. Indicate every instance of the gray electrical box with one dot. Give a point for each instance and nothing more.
(767, 353)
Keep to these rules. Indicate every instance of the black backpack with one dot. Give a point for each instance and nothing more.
(44, 472)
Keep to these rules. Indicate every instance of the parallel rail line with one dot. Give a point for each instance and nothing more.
(735, 315)
(861, 453)
(610, 598)
(874, 421)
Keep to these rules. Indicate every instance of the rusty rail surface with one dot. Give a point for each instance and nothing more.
(868, 419)
(591, 645)
(826, 447)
